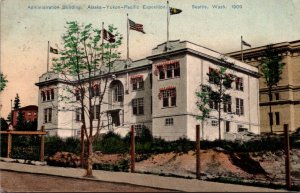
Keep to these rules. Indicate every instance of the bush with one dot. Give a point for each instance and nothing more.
(3, 125)
(53, 144)
(111, 143)
(72, 145)
(123, 166)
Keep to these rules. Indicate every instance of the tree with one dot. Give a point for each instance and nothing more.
(271, 68)
(3, 125)
(9, 117)
(3, 82)
(31, 125)
(21, 124)
(83, 57)
(17, 102)
(212, 96)
(203, 103)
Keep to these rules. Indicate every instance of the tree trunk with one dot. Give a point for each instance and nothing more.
(270, 110)
(89, 168)
(219, 111)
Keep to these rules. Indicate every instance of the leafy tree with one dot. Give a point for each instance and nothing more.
(271, 68)
(203, 103)
(82, 57)
(21, 124)
(17, 102)
(3, 82)
(213, 95)
(3, 125)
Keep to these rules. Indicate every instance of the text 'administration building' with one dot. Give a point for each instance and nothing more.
(285, 98)
(159, 92)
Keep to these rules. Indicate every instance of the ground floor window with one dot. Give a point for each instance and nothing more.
(169, 121)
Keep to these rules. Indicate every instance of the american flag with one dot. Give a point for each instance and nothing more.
(136, 26)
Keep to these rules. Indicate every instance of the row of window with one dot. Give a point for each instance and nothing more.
(169, 71)
(214, 78)
(240, 128)
(47, 95)
(277, 118)
(227, 105)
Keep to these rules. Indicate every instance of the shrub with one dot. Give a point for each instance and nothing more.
(53, 144)
(111, 143)
(72, 145)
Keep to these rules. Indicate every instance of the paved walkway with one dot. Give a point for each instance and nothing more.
(191, 185)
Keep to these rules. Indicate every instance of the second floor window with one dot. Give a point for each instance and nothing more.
(138, 106)
(78, 114)
(95, 112)
(48, 115)
(227, 104)
(239, 106)
(137, 82)
(169, 97)
(95, 90)
(239, 84)
(118, 93)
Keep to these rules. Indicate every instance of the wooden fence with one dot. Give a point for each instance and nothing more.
(10, 133)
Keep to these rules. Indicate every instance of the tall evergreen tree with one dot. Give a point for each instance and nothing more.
(21, 122)
(3, 125)
(17, 102)
(271, 68)
(3, 82)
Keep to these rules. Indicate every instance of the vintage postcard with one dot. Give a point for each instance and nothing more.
(197, 91)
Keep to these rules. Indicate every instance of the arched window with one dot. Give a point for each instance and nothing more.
(43, 95)
(117, 90)
(118, 93)
(52, 94)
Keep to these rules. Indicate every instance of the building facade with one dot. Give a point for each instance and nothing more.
(30, 114)
(285, 98)
(158, 92)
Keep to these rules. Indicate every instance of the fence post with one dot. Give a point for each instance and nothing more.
(132, 149)
(82, 146)
(287, 156)
(198, 152)
(42, 148)
(9, 143)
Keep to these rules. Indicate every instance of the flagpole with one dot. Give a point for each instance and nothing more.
(167, 44)
(127, 38)
(48, 48)
(102, 42)
(242, 48)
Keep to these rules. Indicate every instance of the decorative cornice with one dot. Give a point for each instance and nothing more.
(280, 88)
(280, 102)
(259, 52)
(207, 57)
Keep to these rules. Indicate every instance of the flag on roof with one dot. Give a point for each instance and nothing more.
(54, 51)
(136, 26)
(108, 36)
(246, 44)
(174, 11)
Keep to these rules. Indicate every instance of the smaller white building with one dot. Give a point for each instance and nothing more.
(158, 92)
